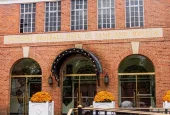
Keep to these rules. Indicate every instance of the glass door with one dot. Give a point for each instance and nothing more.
(145, 96)
(84, 90)
(79, 83)
(138, 89)
(22, 88)
(78, 89)
(128, 88)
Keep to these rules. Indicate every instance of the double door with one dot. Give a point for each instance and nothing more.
(138, 89)
(22, 88)
(78, 89)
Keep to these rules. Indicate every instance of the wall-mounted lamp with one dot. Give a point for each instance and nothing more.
(106, 79)
(50, 80)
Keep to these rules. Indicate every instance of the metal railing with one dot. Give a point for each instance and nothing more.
(118, 111)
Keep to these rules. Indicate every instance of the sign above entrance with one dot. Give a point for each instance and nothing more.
(80, 36)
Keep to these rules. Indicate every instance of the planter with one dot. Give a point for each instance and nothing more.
(41, 108)
(104, 105)
(166, 104)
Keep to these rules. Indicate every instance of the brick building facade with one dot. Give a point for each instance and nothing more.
(136, 58)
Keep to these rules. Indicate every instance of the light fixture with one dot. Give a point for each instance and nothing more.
(50, 80)
(106, 79)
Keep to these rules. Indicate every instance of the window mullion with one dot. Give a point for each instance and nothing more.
(83, 14)
(75, 14)
(138, 14)
(130, 13)
(24, 20)
(56, 15)
(102, 13)
(110, 13)
(31, 16)
(49, 16)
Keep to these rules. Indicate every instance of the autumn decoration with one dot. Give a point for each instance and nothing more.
(166, 97)
(104, 96)
(41, 97)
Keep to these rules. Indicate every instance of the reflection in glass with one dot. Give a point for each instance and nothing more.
(78, 89)
(26, 67)
(18, 89)
(24, 86)
(22, 89)
(137, 81)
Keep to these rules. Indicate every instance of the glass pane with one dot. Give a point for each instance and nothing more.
(34, 85)
(127, 24)
(127, 2)
(136, 63)
(112, 3)
(141, 96)
(26, 67)
(18, 89)
(140, 2)
(99, 3)
(67, 90)
(146, 91)
(22, 87)
(128, 88)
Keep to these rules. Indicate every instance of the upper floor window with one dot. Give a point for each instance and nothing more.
(78, 14)
(53, 16)
(27, 17)
(134, 13)
(106, 17)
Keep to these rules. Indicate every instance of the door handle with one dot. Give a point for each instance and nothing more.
(134, 98)
(80, 98)
(77, 99)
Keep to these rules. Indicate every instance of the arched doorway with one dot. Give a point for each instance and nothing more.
(77, 72)
(25, 81)
(79, 83)
(137, 81)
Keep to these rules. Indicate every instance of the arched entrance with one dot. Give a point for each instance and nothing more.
(137, 81)
(78, 77)
(25, 81)
(79, 83)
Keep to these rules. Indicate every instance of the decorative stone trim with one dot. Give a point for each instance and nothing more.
(25, 52)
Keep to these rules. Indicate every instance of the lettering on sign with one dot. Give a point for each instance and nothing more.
(80, 36)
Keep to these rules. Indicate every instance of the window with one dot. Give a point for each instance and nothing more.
(134, 13)
(27, 17)
(106, 17)
(53, 16)
(78, 14)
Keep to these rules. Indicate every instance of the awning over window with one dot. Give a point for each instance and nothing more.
(66, 54)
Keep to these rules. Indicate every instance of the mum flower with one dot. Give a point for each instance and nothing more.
(104, 96)
(40, 97)
(166, 97)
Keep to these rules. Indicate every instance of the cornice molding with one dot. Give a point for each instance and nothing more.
(21, 1)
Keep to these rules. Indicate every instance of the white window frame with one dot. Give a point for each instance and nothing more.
(139, 25)
(58, 22)
(102, 15)
(24, 13)
(79, 17)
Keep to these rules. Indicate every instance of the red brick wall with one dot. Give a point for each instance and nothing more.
(9, 19)
(110, 52)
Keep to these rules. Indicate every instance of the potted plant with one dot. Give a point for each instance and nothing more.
(166, 100)
(41, 104)
(104, 99)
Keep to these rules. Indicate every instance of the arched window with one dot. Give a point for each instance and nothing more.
(25, 81)
(137, 81)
